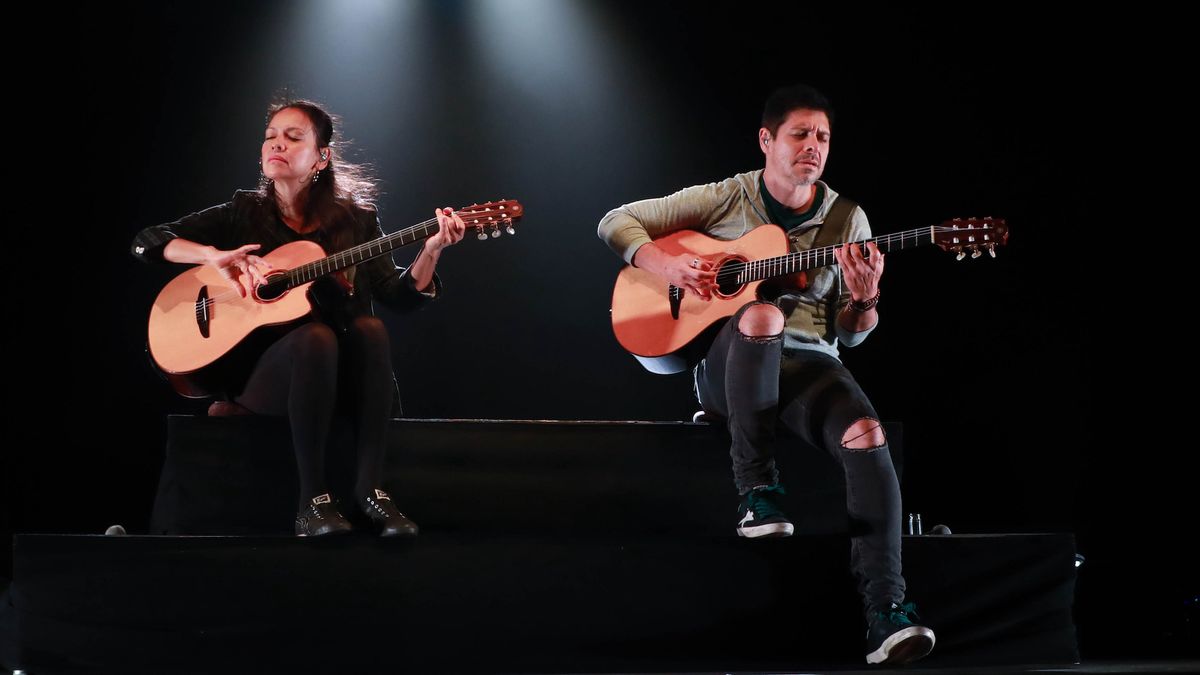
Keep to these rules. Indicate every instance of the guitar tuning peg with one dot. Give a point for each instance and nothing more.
(961, 254)
(992, 250)
(976, 253)
(495, 232)
(482, 235)
(511, 230)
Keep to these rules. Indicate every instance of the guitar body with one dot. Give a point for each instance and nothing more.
(202, 333)
(666, 329)
(658, 324)
(183, 339)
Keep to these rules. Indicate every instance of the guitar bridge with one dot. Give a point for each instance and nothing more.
(203, 318)
(675, 297)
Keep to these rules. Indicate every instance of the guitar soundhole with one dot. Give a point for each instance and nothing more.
(729, 281)
(274, 289)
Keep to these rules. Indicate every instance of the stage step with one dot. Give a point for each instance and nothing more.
(449, 602)
(237, 475)
(545, 547)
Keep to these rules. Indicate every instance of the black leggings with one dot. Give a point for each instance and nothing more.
(747, 381)
(298, 376)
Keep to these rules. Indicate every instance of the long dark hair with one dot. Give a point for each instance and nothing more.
(329, 199)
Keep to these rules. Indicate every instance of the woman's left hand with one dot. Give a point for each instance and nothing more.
(451, 229)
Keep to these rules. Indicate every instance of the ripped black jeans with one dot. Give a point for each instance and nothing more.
(747, 381)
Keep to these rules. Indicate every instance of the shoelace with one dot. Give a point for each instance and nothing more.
(762, 501)
(900, 614)
(376, 505)
(318, 510)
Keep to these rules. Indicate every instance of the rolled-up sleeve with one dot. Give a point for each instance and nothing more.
(629, 227)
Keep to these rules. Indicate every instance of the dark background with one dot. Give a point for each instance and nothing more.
(1017, 379)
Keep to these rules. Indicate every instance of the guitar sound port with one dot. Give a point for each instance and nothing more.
(728, 284)
(274, 289)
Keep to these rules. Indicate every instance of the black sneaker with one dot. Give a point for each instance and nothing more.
(894, 639)
(760, 514)
(320, 518)
(383, 513)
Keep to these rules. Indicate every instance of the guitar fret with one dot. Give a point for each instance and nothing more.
(177, 339)
(651, 328)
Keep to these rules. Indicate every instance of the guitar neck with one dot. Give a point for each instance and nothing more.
(361, 253)
(767, 268)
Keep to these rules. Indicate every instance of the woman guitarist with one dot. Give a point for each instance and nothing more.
(308, 193)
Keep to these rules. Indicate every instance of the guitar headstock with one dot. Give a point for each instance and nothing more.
(492, 217)
(973, 235)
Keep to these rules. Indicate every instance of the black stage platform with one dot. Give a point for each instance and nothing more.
(237, 475)
(512, 603)
(546, 547)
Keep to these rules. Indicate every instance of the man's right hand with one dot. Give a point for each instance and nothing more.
(689, 272)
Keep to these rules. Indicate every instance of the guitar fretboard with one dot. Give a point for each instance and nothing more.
(791, 263)
(361, 253)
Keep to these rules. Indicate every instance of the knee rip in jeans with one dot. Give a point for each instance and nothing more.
(865, 435)
(760, 339)
(761, 321)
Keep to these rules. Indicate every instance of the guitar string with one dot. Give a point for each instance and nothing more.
(731, 271)
(229, 293)
(728, 273)
(315, 265)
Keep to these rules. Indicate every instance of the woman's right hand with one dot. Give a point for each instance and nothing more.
(241, 269)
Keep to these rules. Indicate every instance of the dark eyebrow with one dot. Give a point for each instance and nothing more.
(818, 130)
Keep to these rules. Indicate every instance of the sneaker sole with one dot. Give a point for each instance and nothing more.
(904, 646)
(769, 530)
(327, 531)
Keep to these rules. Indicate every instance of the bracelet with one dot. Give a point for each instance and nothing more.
(865, 305)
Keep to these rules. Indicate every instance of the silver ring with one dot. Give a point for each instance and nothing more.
(695, 263)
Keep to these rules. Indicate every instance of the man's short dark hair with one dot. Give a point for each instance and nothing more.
(784, 100)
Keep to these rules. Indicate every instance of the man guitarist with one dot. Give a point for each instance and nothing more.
(776, 359)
